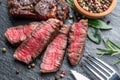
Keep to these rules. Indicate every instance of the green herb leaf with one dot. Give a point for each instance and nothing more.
(117, 62)
(111, 49)
(99, 24)
(70, 2)
(105, 43)
(94, 35)
(109, 52)
(109, 45)
(116, 53)
(101, 49)
(114, 44)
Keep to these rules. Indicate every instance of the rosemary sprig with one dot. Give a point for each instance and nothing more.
(117, 62)
(111, 49)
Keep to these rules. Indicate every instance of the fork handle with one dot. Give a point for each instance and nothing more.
(115, 77)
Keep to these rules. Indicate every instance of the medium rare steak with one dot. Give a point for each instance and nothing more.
(19, 33)
(37, 42)
(55, 52)
(77, 38)
(39, 9)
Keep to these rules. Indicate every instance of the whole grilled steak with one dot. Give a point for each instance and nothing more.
(77, 38)
(39, 9)
(54, 54)
(18, 34)
(37, 42)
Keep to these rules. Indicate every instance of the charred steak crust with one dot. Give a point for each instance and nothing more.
(54, 54)
(46, 9)
(16, 35)
(62, 10)
(37, 41)
(39, 9)
(77, 38)
(22, 8)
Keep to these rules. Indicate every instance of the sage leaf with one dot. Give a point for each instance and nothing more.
(99, 24)
(94, 35)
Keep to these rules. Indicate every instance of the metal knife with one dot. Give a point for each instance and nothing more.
(79, 76)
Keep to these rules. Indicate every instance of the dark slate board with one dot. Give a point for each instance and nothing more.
(8, 65)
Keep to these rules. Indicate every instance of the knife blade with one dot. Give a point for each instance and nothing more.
(79, 76)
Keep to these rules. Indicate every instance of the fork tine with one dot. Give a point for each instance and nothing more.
(104, 64)
(102, 73)
(100, 66)
(95, 73)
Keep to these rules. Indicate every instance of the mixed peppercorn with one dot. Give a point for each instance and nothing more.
(62, 75)
(95, 6)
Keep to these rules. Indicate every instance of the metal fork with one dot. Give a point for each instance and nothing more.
(99, 68)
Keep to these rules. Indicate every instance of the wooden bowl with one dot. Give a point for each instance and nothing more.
(95, 15)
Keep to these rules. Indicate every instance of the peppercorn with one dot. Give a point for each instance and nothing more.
(17, 71)
(78, 18)
(4, 50)
(29, 67)
(108, 22)
(63, 72)
(33, 65)
(62, 75)
(70, 16)
(56, 77)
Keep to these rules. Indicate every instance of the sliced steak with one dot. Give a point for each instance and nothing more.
(18, 34)
(54, 54)
(77, 38)
(37, 42)
(39, 9)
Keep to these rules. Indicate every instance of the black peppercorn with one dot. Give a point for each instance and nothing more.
(108, 22)
(17, 71)
(56, 77)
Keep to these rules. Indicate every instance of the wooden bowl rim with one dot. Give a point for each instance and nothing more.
(95, 15)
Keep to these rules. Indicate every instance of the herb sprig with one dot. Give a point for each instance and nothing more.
(111, 49)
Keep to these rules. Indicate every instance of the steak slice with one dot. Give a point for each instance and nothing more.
(39, 9)
(77, 38)
(37, 42)
(54, 54)
(16, 35)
